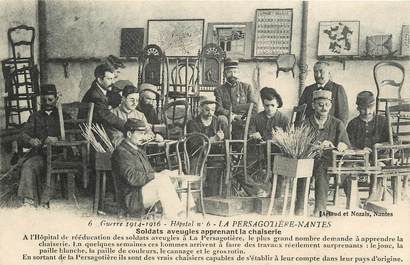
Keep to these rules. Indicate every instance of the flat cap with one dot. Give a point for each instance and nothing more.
(365, 98)
(230, 63)
(135, 125)
(48, 89)
(129, 89)
(269, 92)
(322, 94)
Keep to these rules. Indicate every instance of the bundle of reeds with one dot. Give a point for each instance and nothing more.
(103, 145)
(296, 142)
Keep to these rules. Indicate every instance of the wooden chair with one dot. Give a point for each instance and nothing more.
(396, 153)
(385, 79)
(236, 154)
(175, 116)
(298, 115)
(211, 68)
(183, 82)
(58, 160)
(352, 163)
(195, 150)
(285, 63)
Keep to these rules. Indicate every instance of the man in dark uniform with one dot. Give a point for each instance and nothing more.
(147, 102)
(97, 94)
(330, 133)
(340, 107)
(263, 123)
(236, 94)
(139, 186)
(41, 128)
(363, 133)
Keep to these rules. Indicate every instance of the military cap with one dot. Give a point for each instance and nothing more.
(135, 125)
(270, 93)
(48, 89)
(365, 98)
(230, 63)
(322, 94)
(206, 102)
(129, 89)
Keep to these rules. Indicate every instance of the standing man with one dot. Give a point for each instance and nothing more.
(114, 95)
(330, 134)
(340, 107)
(236, 94)
(97, 94)
(42, 127)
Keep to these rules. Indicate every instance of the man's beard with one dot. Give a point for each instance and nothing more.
(232, 80)
(48, 107)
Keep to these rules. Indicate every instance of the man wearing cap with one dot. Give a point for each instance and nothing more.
(128, 110)
(97, 94)
(147, 102)
(364, 134)
(139, 186)
(234, 93)
(263, 123)
(330, 133)
(41, 128)
(340, 107)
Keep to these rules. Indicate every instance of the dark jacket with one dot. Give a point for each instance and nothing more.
(238, 96)
(149, 112)
(131, 167)
(264, 125)
(366, 134)
(102, 113)
(340, 107)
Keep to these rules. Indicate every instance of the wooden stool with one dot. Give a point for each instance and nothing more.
(291, 169)
(102, 166)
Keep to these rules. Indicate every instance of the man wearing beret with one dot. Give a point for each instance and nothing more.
(97, 94)
(147, 102)
(263, 123)
(127, 110)
(139, 186)
(364, 134)
(330, 133)
(234, 93)
(340, 107)
(42, 127)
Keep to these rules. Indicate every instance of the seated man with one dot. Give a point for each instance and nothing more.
(139, 186)
(216, 129)
(330, 134)
(363, 133)
(147, 102)
(128, 110)
(263, 123)
(41, 128)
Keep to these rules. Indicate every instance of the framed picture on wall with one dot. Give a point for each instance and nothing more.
(338, 38)
(235, 39)
(177, 37)
(273, 32)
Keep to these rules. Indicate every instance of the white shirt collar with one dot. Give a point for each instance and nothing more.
(318, 85)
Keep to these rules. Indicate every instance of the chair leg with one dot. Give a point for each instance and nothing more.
(293, 196)
(97, 192)
(396, 185)
(103, 188)
(306, 196)
(84, 159)
(70, 187)
(336, 194)
(272, 198)
(188, 188)
(201, 196)
(285, 200)
(352, 198)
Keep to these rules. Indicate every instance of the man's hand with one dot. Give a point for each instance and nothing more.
(236, 117)
(256, 136)
(220, 134)
(341, 147)
(159, 138)
(326, 145)
(50, 139)
(34, 142)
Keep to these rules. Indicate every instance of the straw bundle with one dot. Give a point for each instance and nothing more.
(296, 142)
(90, 132)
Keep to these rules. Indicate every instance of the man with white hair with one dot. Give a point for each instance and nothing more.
(340, 107)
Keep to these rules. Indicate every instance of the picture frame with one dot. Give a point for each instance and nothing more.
(235, 38)
(273, 32)
(177, 37)
(338, 38)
